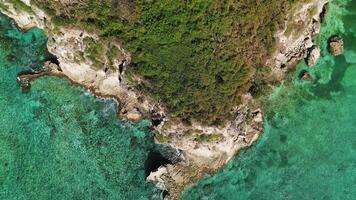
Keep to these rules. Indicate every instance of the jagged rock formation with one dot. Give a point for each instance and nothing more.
(202, 149)
(336, 45)
(304, 75)
(69, 45)
(297, 43)
(206, 148)
(313, 56)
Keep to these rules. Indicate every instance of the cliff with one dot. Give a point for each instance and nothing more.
(296, 41)
(203, 148)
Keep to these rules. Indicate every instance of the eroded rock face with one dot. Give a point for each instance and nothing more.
(323, 12)
(69, 45)
(336, 45)
(204, 156)
(313, 56)
(195, 158)
(294, 46)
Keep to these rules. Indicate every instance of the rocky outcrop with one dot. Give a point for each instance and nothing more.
(69, 45)
(24, 79)
(205, 156)
(304, 75)
(202, 149)
(297, 43)
(312, 56)
(324, 12)
(336, 45)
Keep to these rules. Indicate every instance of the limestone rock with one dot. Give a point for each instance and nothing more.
(257, 116)
(155, 177)
(313, 56)
(336, 45)
(134, 116)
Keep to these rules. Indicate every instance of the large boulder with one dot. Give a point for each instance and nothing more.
(313, 56)
(134, 116)
(336, 45)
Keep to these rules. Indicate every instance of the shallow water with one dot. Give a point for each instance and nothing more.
(58, 141)
(308, 148)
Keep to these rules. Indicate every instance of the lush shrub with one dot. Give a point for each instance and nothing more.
(198, 56)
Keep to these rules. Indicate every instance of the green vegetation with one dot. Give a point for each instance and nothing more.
(101, 52)
(113, 53)
(294, 25)
(162, 138)
(208, 137)
(21, 6)
(94, 51)
(3, 7)
(197, 56)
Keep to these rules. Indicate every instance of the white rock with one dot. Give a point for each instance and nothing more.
(313, 57)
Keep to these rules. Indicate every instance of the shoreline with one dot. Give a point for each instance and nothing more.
(293, 46)
(25, 79)
(198, 158)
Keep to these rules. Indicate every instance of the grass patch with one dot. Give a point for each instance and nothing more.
(114, 53)
(208, 138)
(4, 7)
(163, 139)
(95, 51)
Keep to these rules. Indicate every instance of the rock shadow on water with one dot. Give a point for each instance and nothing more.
(334, 85)
(155, 159)
(283, 138)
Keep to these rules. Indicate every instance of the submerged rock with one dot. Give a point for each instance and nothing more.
(25, 84)
(304, 75)
(336, 45)
(313, 56)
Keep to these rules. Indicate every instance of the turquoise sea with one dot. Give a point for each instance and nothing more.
(308, 148)
(60, 142)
